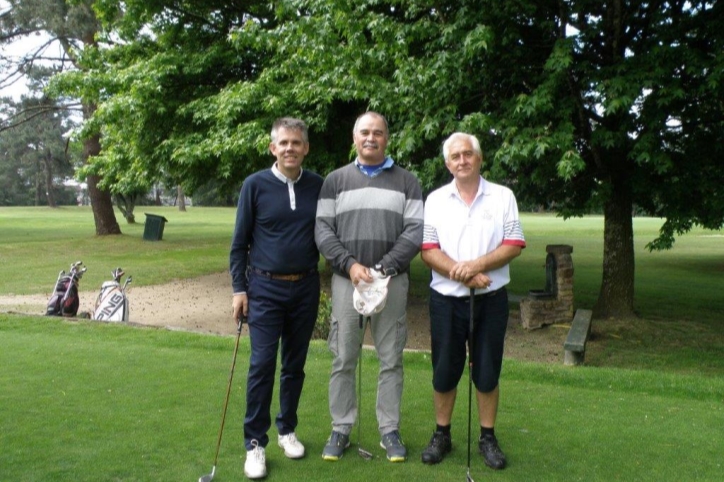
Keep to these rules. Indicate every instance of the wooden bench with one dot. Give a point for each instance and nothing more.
(575, 344)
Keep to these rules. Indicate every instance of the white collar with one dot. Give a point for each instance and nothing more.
(278, 174)
(452, 188)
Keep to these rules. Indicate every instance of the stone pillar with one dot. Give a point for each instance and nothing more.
(545, 308)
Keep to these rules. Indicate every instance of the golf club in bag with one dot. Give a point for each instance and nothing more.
(362, 452)
(112, 303)
(209, 477)
(471, 345)
(64, 301)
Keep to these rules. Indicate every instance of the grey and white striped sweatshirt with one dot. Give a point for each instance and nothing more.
(369, 220)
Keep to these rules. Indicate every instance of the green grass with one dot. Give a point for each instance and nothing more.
(39, 242)
(678, 292)
(85, 401)
(681, 284)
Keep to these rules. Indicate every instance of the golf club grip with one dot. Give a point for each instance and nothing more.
(240, 321)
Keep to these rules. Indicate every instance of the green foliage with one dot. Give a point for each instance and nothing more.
(33, 157)
(324, 317)
(580, 106)
(561, 112)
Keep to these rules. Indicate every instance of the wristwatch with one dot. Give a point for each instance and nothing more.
(386, 272)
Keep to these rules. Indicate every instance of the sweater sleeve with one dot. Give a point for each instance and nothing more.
(241, 240)
(325, 229)
(408, 243)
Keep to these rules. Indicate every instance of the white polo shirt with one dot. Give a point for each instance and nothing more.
(467, 232)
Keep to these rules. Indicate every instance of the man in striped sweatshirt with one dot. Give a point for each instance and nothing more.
(369, 216)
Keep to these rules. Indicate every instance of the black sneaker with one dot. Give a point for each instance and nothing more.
(439, 446)
(490, 450)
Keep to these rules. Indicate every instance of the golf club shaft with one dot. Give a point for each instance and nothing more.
(470, 368)
(359, 383)
(360, 451)
(228, 389)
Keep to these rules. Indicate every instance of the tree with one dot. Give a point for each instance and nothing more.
(606, 105)
(33, 156)
(619, 108)
(587, 105)
(168, 58)
(175, 105)
(73, 26)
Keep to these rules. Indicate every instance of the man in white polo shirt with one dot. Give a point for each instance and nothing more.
(472, 231)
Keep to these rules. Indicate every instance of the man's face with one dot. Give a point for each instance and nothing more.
(289, 149)
(370, 139)
(462, 162)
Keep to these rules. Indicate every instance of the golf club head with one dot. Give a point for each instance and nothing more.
(365, 454)
(208, 477)
(468, 477)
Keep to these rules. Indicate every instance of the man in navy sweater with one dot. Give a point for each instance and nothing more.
(273, 266)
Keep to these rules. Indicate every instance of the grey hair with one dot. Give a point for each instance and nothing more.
(373, 114)
(461, 135)
(292, 124)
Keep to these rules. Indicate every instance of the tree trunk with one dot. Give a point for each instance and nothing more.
(101, 202)
(49, 181)
(616, 298)
(38, 182)
(181, 198)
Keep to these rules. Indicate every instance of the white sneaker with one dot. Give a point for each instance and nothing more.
(255, 465)
(293, 448)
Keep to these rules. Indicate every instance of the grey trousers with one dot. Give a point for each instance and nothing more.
(389, 332)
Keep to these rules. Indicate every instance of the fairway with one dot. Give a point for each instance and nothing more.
(84, 401)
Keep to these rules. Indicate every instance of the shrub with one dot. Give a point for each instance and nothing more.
(324, 315)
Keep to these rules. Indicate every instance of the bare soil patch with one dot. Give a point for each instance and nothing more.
(203, 304)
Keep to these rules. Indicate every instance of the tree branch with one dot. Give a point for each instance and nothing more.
(26, 115)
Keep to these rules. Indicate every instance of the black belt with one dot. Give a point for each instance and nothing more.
(488, 294)
(284, 277)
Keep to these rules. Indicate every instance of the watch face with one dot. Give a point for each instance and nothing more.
(386, 272)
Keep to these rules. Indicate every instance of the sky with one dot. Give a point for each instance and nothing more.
(15, 51)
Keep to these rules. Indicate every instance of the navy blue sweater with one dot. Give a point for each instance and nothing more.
(269, 235)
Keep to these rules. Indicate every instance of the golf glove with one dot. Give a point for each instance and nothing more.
(370, 298)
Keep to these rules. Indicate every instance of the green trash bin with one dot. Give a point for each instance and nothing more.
(153, 230)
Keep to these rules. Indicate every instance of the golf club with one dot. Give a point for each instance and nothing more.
(362, 452)
(209, 477)
(470, 372)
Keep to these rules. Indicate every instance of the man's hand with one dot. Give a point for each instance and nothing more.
(479, 281)
(463, 271)
(359, 273)
(240, 306)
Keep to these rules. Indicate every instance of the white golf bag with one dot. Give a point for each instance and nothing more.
(112, 303)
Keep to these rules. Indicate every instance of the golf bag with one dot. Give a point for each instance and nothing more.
(64, 300)
(112, 303)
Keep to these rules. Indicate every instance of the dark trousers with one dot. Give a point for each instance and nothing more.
(286, 311)
(449, 327)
